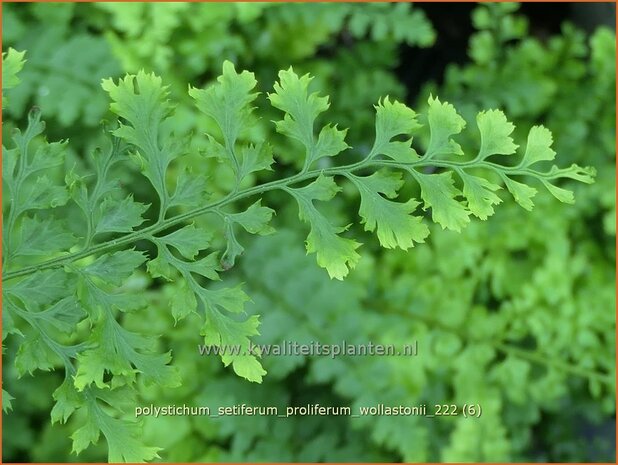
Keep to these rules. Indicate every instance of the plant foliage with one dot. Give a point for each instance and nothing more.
(118, 262)
(83, 281)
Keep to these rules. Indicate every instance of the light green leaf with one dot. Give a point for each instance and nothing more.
(93, 365)
(331, 141)
(41, 288)
(323, 188)
(119, 215)
(396, 226)
(47, 156)
(207, 267)
(480, 195)
(183, 301)
(564, 195)
(116, 267)
(255, 158)
(98, 300)
(190, 190)
(249, 368)
(122, 436)
(228, 103)
(233, 249)
(401, 152)
(165, 264)
(522, 193)
(189, 240)
(123, 354)
(230, 299)
(63, 315)
(495, 134)
(12, 63)
(538, 147)
(160, 267)
(301, 109)
(126, 444)
(444, 121)
(6, 401)
(142, 101)
(578, 173)
(8, 324)
(34, 354)
(85, 435)
(255, 219)
(335, 253)
(41, 194)
(229, 333)
(41, 237)
(438, 192)
(67, 401)
(394, 119)
(13, 174)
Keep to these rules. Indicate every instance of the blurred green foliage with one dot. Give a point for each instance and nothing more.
(549, 276)
(516, 313)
